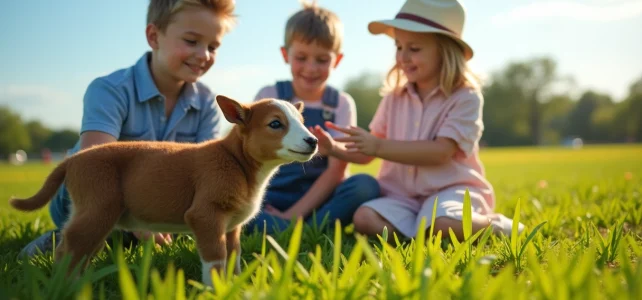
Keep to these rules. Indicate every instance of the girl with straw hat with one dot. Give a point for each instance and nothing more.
(426, 129)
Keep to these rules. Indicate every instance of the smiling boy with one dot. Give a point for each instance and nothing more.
(313, 38)
(159, 98)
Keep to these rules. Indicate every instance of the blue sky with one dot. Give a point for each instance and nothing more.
(51, 50)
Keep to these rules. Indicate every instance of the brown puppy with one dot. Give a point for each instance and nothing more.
(209, 189)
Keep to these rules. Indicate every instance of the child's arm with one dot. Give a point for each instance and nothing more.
(104, 109)
(460, 131)
(419, 153)
(319, 191)
(92, 138)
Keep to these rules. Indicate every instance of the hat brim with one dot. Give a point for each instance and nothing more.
(387, 27)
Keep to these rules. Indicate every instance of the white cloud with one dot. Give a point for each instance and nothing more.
(605, 12)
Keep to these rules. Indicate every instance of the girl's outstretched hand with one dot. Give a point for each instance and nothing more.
(360, 140)
(326, 143)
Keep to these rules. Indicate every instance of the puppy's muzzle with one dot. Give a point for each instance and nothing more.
(311, 141)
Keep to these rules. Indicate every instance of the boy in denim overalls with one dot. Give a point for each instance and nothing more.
(313, 49)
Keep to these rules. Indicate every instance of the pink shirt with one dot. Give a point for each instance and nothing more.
(404, 116)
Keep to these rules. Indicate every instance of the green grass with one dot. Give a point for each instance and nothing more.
(582, 209)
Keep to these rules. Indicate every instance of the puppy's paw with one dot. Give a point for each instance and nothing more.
(208, 268)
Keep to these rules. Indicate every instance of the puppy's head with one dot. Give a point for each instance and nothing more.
(271, 129)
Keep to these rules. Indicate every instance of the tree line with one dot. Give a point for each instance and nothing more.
(31, 136)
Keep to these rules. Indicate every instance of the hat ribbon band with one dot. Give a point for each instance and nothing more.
(422, 20)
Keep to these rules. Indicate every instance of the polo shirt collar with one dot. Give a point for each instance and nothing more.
(146, 88)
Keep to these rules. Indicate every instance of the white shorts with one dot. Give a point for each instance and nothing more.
(405, 213)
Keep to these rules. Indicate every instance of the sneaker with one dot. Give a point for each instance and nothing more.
(42, 244)
(504, 225)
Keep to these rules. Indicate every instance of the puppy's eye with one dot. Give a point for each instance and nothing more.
(275, 125)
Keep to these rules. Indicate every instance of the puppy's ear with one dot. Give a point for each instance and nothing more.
(299, 106)
(233, 111)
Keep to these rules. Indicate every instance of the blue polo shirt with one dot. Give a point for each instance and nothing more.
(127, 105)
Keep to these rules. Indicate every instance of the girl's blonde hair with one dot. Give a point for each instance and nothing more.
(455, 71)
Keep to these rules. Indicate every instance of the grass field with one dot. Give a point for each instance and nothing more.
(587, 202)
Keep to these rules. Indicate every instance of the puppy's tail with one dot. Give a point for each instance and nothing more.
(44, 195)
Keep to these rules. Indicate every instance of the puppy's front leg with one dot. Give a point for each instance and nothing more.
(209, 231)
(234, 244)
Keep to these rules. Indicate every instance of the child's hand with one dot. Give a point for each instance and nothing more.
(360, 140)
(271, 210)
(162, 239)
(326, 143)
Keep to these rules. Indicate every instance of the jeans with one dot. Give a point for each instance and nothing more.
(341, 205)
(59, 207)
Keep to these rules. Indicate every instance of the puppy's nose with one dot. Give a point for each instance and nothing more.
(312, 141)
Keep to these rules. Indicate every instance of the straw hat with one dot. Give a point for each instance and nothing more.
(439, 16)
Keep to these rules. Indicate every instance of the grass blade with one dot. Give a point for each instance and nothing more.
(530, 237)
(514, 230)
(336, 254)
(127, 287)
(468, 216)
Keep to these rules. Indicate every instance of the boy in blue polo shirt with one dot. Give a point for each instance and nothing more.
(157, 99)
(312, 48)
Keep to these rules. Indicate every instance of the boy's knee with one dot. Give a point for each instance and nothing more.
(365, 187)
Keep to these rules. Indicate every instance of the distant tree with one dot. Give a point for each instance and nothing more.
(39, 134)
(365, 91)
(514, 99)
(628, 119)
(13, 134)
(555, 117)
(591, 117)
(636, 87)
(634, 129)
(505, 113)
(62, 140)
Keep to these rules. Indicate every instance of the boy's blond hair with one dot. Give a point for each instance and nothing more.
(161, 12)
(315, 24)
(455, 71)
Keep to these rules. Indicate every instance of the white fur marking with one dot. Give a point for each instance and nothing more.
(262, 179)
(207, 270)
(294, 139)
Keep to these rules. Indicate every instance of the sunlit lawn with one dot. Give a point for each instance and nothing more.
(588, 201)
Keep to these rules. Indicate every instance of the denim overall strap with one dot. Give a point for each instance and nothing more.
(293, 180)
(284, 90)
